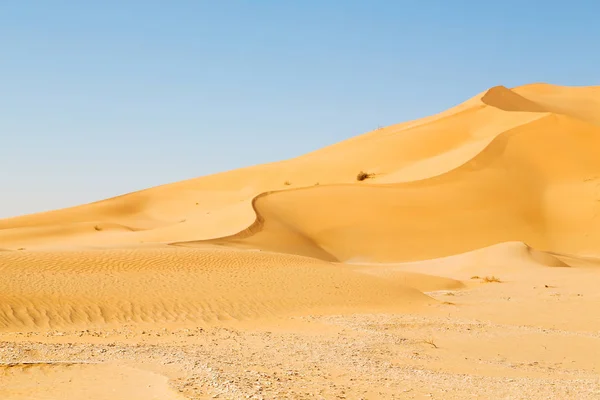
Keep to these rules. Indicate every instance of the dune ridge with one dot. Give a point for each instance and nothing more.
(506, 259)
(550, 133)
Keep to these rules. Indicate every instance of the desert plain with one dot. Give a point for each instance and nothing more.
(451, 257)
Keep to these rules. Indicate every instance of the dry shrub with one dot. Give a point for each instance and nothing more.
(491, 279)
(362, 175)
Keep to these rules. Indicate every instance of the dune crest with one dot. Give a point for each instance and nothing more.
(516, 195)
(505, 259)
(581, 102)
(505, 99)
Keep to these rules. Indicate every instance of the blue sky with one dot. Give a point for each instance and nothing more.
(100, 98)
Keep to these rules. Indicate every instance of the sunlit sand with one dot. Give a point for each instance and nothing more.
(464, 261)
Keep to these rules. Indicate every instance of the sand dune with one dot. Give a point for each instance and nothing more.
(219, 205)
(577, 102)
(508, 260)
(296, 279)
(547, 198)
(506, 165)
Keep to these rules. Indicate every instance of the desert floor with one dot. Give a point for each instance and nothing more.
(534, 335)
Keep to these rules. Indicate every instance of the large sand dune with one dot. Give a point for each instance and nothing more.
(507, 165)
(214, 206)
(548, 198)
(474, 233)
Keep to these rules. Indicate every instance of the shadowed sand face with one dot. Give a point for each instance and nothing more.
(464, 262)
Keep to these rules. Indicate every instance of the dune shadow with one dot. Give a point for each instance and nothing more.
(505, 99)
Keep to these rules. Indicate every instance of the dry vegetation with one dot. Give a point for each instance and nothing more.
(491, 279)
(487, 279)
(362, 175)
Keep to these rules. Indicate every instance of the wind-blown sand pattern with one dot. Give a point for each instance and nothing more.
(465, 265)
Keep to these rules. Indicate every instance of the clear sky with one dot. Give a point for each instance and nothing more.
(100, 98)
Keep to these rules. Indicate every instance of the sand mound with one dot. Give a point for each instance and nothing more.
(416, 279)
(503, 260)
(72, 381)
(171, 284)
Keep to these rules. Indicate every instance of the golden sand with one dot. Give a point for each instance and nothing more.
(464, 264)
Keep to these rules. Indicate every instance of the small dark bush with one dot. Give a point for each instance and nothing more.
(362, 175)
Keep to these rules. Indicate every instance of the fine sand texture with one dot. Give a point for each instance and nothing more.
(456, 256)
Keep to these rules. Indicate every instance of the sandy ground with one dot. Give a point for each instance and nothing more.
(531, 337)
(465, 265)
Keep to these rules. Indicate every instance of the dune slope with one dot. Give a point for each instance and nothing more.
(41, 290)
(547, 198)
